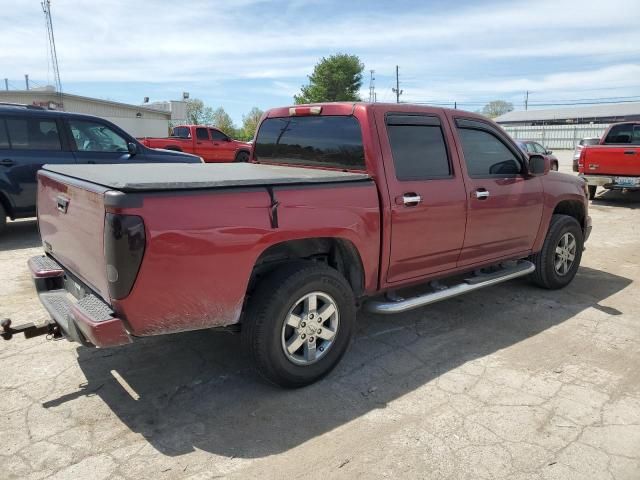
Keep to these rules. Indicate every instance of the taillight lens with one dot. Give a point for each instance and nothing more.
(581, 160)
(124, 243)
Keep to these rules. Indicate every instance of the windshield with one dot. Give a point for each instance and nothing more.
(327, 141)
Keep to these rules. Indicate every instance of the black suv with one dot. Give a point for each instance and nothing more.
(32, 136)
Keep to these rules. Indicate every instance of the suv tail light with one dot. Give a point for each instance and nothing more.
(124, 242)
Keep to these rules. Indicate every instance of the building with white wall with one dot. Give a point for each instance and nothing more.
(139, 121)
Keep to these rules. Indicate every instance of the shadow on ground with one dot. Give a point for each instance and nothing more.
(20, 234)
(197, 391)
(617, 198)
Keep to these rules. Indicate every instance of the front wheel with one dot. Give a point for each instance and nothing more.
(242, 157)
(558, 261)
(3, 218)
(592, 191)
(299, 323)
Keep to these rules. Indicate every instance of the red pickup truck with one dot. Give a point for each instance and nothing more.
(343, 205)
(211, 144)
(615, 162)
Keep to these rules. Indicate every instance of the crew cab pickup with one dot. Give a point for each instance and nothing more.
(211, 144)
(615, 162)
(342, 205)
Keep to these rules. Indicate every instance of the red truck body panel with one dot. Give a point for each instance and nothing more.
(216, 147)
(202, 245)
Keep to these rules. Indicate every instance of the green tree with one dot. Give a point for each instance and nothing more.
(250, 124)
(198, 113)
(336, 78)
(496, 108)
(222, 120)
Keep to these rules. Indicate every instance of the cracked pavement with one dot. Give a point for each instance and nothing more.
(508, 382)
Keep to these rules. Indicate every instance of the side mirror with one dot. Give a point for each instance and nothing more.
(549, 152)
(538, 165)
(226, 139)
(132, 148)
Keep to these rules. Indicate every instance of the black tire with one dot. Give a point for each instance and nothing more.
(554, 166)
(242, 156)
(592, 191)
(268, 307)
(3, 218)
(546, 274)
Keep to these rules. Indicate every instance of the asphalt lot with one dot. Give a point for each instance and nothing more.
(508, 382)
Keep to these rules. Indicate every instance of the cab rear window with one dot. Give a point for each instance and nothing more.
(326, 141)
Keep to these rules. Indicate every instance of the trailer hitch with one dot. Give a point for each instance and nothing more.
(29, 329)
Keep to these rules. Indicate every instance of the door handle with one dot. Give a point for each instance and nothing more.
(482, 194)
(7, 162)
(411, 199)
(629, 152)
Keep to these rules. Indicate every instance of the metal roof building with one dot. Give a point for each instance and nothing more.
(600, 114)
(139, 121)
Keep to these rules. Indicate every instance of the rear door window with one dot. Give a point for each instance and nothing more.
(418, 147)
(217, 135)
(33, 134)
(202, 134)
(326, 141)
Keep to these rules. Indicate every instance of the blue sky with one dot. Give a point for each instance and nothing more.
(249, 53)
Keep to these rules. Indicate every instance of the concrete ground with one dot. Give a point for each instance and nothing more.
(509, 382)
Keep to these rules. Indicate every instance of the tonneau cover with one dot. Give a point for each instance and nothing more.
(182, 176)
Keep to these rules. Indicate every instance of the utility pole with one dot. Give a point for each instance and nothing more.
(372, 87)
(397, 90)
(6, 84)
(26, 80)
(526, 100)
(46, 9)
(455, 105)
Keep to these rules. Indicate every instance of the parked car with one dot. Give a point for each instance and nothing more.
(615, 162)
(532, 147)
(583, 142)
(210, 143)
(342, 205)
(31, 136)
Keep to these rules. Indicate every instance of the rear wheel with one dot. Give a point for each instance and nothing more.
(592, 191)
(558, 261)
(242, 156)
(299, 323)
(554, 166)
(3, 218)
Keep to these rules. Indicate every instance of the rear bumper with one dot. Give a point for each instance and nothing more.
(80, 314)
(607, 181)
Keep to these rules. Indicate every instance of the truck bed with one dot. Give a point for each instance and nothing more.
(154, 177)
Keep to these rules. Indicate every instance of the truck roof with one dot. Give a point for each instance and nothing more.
(157, 177)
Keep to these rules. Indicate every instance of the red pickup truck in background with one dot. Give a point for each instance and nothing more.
(211, 144)
(386, 206)
(615, 162)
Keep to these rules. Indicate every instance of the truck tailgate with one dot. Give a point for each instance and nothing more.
(612, 160)
(71, 221)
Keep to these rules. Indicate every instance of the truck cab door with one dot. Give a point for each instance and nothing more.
(427, 195)
(96, 142)
(504, 203)
(204, 146)
(29, 142)
(224, 146)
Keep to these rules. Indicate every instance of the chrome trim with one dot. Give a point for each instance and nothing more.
(411, 199)
(521, 269)
(480, 194)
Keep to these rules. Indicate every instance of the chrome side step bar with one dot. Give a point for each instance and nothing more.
(398, 304)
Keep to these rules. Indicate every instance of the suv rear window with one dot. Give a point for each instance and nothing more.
(33, 134)
(4, 138)
(328, 141)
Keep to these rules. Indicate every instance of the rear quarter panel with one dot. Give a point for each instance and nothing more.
(202, 246)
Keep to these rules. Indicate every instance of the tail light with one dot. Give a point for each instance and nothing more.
(583, 152)
(124, 242)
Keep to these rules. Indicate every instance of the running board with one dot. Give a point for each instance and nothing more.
(475, 282)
